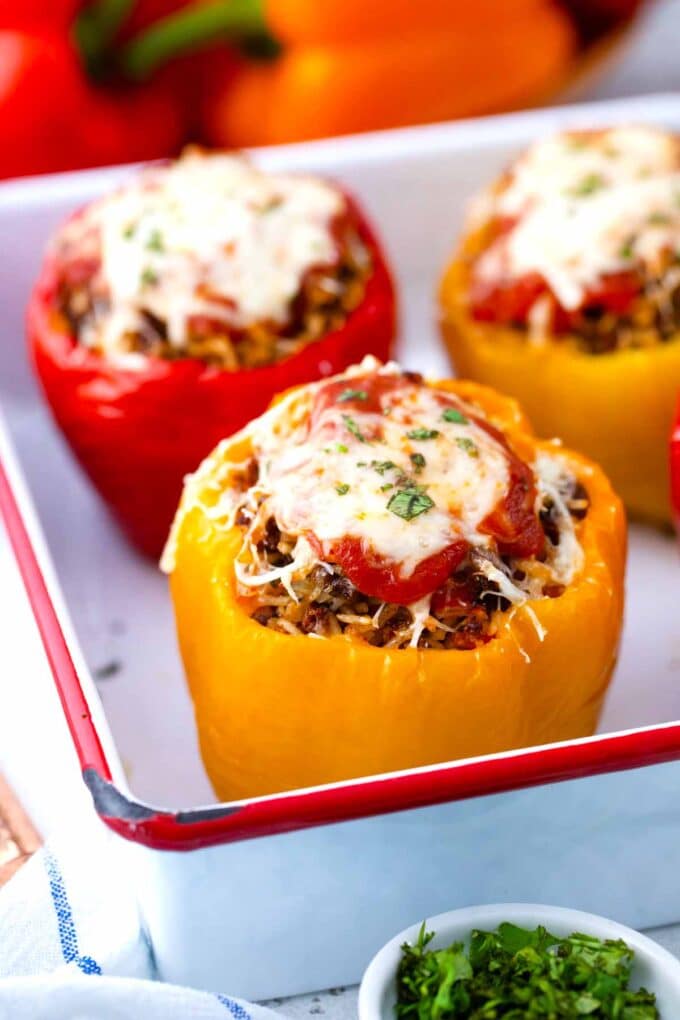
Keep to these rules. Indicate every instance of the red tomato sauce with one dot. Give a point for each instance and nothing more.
(513, 523)
(509, 301)
(368, 394)
(381, 577)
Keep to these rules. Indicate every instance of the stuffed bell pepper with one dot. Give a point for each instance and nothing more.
(566, 293)
(381, 573)
(168, 314)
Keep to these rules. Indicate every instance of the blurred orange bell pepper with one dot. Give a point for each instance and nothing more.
(428, 73)
(357, 66)
(308, 22)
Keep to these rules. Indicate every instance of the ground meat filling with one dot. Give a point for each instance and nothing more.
(654, 318)
(579, 241)
(327, 296)
(653, 315)
(462, 614)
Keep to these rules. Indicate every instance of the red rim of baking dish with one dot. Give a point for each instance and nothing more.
(161, 829)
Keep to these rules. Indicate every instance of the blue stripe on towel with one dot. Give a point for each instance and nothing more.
(65, 924)
(235, 1008)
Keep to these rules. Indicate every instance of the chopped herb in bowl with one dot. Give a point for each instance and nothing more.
(515, 973)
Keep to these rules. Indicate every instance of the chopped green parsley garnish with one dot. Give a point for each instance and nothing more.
(452, 414)
(155, 242)
(513, 972)
(129, 231)
(341, 448)
(423, 433)
(148, 276)
(342, 489)
(587, 185)
(463, 443)
(352, 427)
(410, 502)
(381, 466)
(386, 487)
(626, 250)
(658, 219)
(352, 395)
(418, 462)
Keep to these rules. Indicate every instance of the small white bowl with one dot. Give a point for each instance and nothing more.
(654, 968)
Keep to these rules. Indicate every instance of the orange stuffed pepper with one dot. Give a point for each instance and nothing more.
(566, 292)
(382, 573)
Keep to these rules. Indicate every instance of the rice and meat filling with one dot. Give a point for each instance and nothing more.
(461, 615)
(582, 241)
(209, 257)
(327, 296)
(653, 316)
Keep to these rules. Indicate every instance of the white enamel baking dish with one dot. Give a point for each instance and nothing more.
(295, 892)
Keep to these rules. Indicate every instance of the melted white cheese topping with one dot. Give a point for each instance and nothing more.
(209, 235)
(588, 205)
(565, 558)
(335, 485)
(331, 483)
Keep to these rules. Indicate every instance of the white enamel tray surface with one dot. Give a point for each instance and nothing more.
(415, 184)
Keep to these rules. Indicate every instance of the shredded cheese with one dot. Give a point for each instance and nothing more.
(336, 483)
(506, 587)
(420, 612)
(208, 235)
(336, 478)
(588, 205)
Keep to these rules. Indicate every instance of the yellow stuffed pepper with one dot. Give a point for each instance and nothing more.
(566, 294)
(382, 573)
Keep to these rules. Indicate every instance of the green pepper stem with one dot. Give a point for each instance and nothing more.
(95, 28)
(187, 29)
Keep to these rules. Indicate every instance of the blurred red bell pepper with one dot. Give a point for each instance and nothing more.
(133, 123)
(46, 14)
(125, 122)
(137, 433)
(675, 469)
(42, 96)
(53, 117)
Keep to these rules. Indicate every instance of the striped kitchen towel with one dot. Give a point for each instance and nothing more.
(72, 946)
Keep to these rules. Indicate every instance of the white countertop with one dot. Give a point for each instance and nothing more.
(650, 64)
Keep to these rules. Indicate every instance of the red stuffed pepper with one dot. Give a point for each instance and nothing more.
(167, 314)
